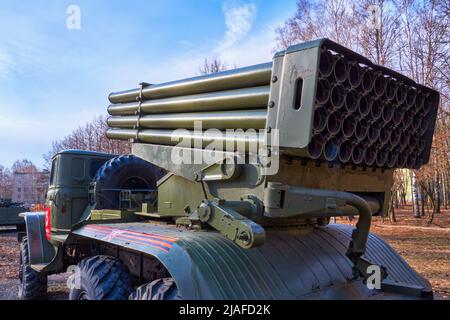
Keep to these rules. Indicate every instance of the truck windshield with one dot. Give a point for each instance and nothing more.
(52, 174)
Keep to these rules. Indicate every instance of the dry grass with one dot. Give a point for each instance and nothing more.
(9, 270)
(426, 247)
(9, 255)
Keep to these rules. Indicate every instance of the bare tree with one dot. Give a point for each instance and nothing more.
(334, 19)
(212, 66)
(5, 183)
(426, 53)
(410, 36)
(91, 136)
(7, 176)
(378, 40)
(23, 166)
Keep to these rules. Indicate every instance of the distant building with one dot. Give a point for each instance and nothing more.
(30, 187)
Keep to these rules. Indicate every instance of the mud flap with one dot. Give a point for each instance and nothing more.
(290, 265)
(41, 251)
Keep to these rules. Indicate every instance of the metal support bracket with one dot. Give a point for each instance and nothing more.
(361, 266)
(242, 231)
(140, 99)
(287, 201)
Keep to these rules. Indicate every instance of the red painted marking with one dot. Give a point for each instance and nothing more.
(151, 235)
(135, 240)
(144, 242)
(124, 232)
(133, 235)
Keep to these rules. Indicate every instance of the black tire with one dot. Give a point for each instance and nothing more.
(124, 172)
(101, 278)
(161, 289)
(32, 284)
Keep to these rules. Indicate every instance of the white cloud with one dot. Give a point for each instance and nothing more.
(255, 48)
(238, 20)
(240, 46)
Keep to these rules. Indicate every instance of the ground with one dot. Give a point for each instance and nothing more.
(425, 247)
(9, 261)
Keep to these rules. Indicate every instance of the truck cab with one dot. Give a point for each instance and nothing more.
(67, 197)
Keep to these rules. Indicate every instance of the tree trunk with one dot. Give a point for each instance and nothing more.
(396, 201)
(391, 209)
(423, 199)
(444, 192)
(437, 194)
(415, 195)
(433, 208)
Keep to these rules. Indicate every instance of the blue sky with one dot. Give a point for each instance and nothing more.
(53, 79)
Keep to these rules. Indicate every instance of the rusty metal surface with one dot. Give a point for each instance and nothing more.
(289, 265)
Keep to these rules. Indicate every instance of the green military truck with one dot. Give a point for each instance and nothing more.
(231, 185)
(9, 214)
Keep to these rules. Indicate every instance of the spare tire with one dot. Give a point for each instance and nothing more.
(124, 172)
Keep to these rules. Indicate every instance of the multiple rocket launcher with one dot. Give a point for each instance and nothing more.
(366, 117)
(364, 114)
(235, 99)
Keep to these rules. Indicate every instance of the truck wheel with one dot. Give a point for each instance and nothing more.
(32, 285)
(161, 289)
(101, 278)
(124, 172)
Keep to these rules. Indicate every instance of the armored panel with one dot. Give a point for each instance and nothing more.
(291, 265)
